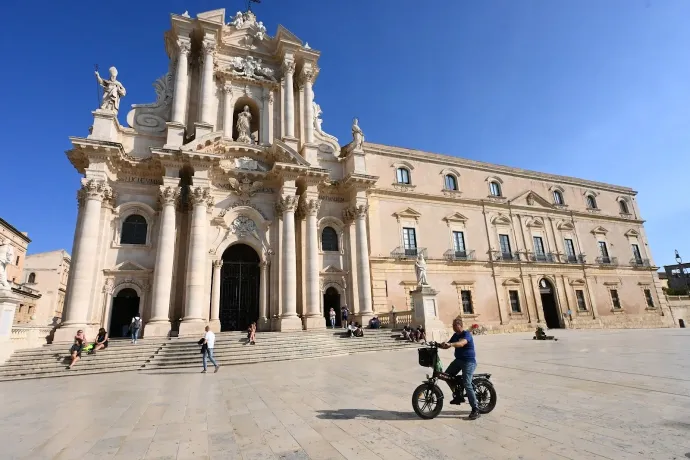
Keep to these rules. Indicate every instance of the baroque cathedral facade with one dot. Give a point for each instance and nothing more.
(224, 203)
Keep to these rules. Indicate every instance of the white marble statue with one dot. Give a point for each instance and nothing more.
(357, 135)
(6, 258)
(238, 20)
(112, 91)
(420, 270)
(244, 119)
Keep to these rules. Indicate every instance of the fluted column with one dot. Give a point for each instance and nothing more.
(228, 110)
(207, 83)
(215, 295)
(359, 214)
(159, 324)
(289, 319)
(181, 80)
(308, 78)
(289, 71)
(263, 293)
(196, 266)
(310, 209)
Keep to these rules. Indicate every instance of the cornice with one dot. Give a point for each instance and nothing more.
(448, 160)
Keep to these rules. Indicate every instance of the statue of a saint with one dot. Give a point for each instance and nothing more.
(420, 270)
(244, 119)
(357, 135)
(112, 91)
(6, 258)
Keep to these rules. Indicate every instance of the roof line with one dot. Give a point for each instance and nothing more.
(14, 230)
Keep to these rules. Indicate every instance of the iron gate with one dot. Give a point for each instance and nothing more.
(239, 295)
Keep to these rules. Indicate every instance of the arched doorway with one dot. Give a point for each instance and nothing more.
(549, 304)
(239, 288)
(331, 299)
(125, 307)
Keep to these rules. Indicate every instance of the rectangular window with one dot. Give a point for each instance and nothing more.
(650, 299)
(615, 300)
(505, 246)
(386, 285)
(17, 261)
(538, 246)
(604, 252)
(514, 301)
(410, 241)
(581, 304)
(570, 250)
(459, 244)
(636, 253)
(467, 307)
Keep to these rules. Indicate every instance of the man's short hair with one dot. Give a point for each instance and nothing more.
(457, 320)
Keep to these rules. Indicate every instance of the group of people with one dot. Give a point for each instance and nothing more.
(81, 344)
(354, 330)
(414, 335)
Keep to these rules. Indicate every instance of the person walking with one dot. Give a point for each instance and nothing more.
(345, 313)
(331, 315)
(209, 343)
(465, 361)
(134, 327)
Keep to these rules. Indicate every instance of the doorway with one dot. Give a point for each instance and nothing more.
(681, 323)
(331, 299)
(125, 307)
(239, 288)
(549, 304)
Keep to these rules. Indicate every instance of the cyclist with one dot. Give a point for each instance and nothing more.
(465, 361)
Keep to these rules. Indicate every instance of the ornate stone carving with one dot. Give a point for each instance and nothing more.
(256, 31)
(420, 270)
(310, 207)
(200, 196)
(244, 120)
(6, 258)
(151, 118)
(244, 186)
(227, 88)
(286, 203)
(112, 91)
(355, 212)
(288, 67)
(250, 67)
(184, 45)
(168, 195)
(242, 203)
(357, 135)
(243, 226)
(92, 189)
(218, 263)
(208, 45)
(316, 110)
(108, 286)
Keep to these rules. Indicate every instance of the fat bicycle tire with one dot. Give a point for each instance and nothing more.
(432, 401)
(486, 395)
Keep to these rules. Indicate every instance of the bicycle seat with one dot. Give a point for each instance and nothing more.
(482, 376)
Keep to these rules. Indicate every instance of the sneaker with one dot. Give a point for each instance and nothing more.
(217, 367)
(474, 415)
(204, 371)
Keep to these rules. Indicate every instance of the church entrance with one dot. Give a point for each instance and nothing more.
(549, 304)
(331, 299)
(125, 307)
(239, 288)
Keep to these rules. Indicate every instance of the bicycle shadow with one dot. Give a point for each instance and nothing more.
(386, 415)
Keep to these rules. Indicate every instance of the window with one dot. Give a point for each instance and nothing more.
(451, 182)
(581, 304)
(558, 197)
(636, 253)
(615, 300)
(467, 307)
(591, 202)
(495, 188)
(650, 299)
(514, 301)
(459, 244)
(505, 246)
(32, 278)
(329, 239)
(538, 246)
(624, 207)
(134, 230)
(17, 263)
(603, 250)
(410, 241)
(403, 176)
(570, 250)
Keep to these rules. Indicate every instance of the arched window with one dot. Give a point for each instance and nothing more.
(329, 239)
(134, 230)
(624, 207)
(451, 182)
(403, 175)
(495, 188)
(32, 278)
(591, 202)
(558, 197)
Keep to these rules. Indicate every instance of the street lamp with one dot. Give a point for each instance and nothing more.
(679, 261)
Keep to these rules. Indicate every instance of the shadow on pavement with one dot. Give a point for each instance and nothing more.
(371, 414)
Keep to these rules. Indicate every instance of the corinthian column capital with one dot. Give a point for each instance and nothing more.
(209, 45)
(200, 196)
(310, 207)
(95, 190)
(168, 195)
(355, 212)
(184, 45)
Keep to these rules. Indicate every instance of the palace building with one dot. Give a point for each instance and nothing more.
(224, 202)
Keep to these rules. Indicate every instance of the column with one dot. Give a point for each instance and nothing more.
(270, 131)
(181, 80)
(312, 297)
(192, 323)
(207, 83)
(228, 110)
(359, 213)
(159, 324)
(215, 296)
(84, 261)
(308, 76)
(289, 70)
(266, 114)
(289, 319)
(263, 293)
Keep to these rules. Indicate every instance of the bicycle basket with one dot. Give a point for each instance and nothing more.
(427, 356)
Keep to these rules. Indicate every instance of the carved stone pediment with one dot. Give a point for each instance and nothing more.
(531, 198)
(128, 266)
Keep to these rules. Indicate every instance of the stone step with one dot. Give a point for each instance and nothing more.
(59, 360)
(76, 371)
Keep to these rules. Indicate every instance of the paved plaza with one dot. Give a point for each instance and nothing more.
(592, 394)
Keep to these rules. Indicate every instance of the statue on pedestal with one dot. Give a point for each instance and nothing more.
(357, 135)
(112, 91)
(420, 270)
(244, 119)
(6, 258)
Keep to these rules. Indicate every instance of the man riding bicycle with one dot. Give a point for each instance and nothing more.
(465, 361)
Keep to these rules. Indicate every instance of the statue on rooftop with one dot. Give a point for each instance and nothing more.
(112, 91)
(357, 135)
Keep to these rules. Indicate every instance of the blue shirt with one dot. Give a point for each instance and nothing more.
(465, 353)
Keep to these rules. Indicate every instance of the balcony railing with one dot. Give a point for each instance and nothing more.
(547, 257)
(573, 258)
(407, 253)
(640, 263)
(611, 261)
(453, 255)
(501, 256)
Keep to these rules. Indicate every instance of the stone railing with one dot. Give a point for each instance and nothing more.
(396, 319)
(31, 336)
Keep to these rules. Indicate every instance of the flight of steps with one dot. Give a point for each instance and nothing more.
(161, 355)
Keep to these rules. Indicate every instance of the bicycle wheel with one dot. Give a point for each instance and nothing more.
(486, 395)
(427, 401)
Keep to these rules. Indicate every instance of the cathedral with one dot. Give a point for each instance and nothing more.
(225, 203)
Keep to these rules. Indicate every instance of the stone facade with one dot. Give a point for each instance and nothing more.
(48, 272)
(27, 296)
(224, 202)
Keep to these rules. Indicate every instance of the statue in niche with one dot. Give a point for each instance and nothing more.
(6, 258)
(420, 270)
(357, 135)
(112, 91)
(244, 119)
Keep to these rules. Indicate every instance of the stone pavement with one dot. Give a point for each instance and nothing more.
(593, 394)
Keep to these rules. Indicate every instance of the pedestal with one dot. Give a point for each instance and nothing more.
(426, 313)
(8, 305)
(192, 328)
(363, 318)
(214, 325)
(312, 323)
(175, 136)
(291, 142)
(157, 329)
(290, 323)
(104, 125)
(202, 129)
(264, 325)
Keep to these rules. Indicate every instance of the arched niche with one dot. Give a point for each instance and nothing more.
(255, 124)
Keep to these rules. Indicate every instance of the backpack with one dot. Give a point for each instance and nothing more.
(137, 323)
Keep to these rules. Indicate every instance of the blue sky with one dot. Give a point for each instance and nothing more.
(589, 88)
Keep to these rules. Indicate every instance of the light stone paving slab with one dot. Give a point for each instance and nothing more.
(591, 395)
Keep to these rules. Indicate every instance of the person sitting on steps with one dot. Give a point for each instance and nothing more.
(101, 342)
(77, 347)
(407, 332)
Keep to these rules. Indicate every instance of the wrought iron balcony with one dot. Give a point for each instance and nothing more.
(501, 256)
(407, 253)
(573, 258)
(640, 263)
(611, 261)
(453, 255)
(543, 257)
